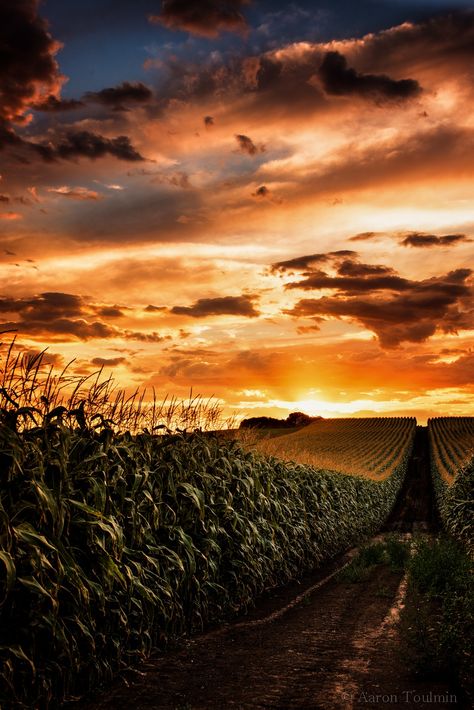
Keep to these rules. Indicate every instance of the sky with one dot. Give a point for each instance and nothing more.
(269, 202)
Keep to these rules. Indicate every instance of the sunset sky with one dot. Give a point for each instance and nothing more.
(270, 202)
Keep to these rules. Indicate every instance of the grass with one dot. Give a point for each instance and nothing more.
(392, 551)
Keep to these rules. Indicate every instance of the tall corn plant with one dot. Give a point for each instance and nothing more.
(112, 543)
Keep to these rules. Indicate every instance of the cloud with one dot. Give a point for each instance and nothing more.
(364, 236)
(28, 68)
(417, 239)
(177, 179)
(261, 192)
(76, 193)
(30, 79)
(63, 316)
(339, 79)
(108, 362)
(350, 284)
(75, 144)
(444, 40)
(425, 155)
(225, 305)
(356, 269)
(205, 367)
(110, 311)
(4, 198)
(52, 105)
(394, 308)
(155, 309)
(308, 262)
(208, 121)
(118, 96)
(86, 144)
(47, 358)
(246, 145)
(206, 18)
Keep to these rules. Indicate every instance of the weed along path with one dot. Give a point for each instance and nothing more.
(327, 642)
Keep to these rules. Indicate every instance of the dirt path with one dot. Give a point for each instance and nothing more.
(415, 508)
(335, 649)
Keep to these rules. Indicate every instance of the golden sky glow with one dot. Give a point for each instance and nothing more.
(285, 228)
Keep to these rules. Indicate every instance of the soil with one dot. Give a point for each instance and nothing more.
(320, 643)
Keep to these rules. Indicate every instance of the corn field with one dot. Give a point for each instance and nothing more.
(452, 467)
(372, 447)
(114, 543)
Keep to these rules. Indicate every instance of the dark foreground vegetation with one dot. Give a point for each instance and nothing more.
(111, 544)
(437, 625)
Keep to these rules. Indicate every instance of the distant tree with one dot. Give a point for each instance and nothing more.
(294, 419)
(299, 419)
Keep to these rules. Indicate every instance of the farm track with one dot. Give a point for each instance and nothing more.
(415, 509)
(337, 648)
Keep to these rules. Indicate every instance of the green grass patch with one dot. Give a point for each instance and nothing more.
(392, 551)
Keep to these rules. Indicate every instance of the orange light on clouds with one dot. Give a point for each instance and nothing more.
(275, 230)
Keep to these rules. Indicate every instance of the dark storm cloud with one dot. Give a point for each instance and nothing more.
(339, 79)
(65, 316)
(52, 105)
(27, 60)
(411, 311)
(417, 239)
(225, 305)
(118, 96)
(246, 145)
(206, 18)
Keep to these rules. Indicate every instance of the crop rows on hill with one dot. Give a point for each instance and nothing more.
(452, 442)
(452, 467)
(369, 447)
